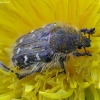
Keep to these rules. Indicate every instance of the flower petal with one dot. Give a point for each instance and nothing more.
(58, 95)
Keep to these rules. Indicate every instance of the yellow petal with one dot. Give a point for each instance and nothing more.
(58, 95)
(28, 88)
(6, 96)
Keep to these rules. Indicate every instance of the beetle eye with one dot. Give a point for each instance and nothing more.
(80, 46)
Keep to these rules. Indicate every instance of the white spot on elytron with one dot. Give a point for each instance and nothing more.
(18, 50)
(21, 41)
(15, 62)
(33, 35)
(30, 48)
(55, 24)
(43, 26)
(52, 52)
(42, 49)
(37, 56)
(32, 31)
(26, 58)
(49, 38)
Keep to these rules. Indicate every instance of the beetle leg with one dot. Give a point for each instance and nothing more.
(87, 53)
(2, 66)
(82, 54)
(78, 54)
(36, 67)
(61, 61)
(20, 76)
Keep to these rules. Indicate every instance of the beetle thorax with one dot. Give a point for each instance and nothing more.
(64, 41)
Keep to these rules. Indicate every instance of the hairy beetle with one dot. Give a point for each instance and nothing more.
(36, 49)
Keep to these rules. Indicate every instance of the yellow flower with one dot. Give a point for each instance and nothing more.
(82, 81)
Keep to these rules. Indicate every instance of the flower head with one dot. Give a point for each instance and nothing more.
(82, 81)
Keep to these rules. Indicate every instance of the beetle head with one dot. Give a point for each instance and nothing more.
(86, 42)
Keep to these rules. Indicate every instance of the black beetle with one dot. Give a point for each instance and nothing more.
(36, 49)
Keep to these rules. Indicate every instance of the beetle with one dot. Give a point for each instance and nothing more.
(33, 52)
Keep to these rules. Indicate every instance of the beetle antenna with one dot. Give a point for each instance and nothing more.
(89, 32)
